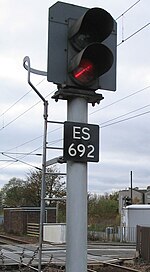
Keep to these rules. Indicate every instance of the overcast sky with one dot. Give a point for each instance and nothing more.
(123, 116)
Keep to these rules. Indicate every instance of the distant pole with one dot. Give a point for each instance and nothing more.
(131, 186)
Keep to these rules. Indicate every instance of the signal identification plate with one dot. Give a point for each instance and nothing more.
(81, 142)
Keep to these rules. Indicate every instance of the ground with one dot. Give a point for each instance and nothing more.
(137, 264)
(141, 266)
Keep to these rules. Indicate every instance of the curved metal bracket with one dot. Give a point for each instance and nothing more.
(31, 70)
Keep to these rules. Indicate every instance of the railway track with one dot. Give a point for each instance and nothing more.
(54, 265)
(110, 267)
(12, 240)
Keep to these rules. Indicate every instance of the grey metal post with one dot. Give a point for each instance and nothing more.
(76, 235)
(43, 185)
(131, 188)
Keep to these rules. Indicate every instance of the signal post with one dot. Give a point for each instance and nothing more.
(76, 205)
(81, 59)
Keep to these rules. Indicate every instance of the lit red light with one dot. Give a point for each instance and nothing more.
(84, 72)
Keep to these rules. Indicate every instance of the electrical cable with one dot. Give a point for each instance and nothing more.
(4, 126)
(132, 94)
(125, 114)
(21, 153)
(22, 157)
(92, 113)
(15, 103)
(121, 99)
(133, 34)
(2, 114)
(127, 10)
(31, 140)
(126, 119)
(18, 160)
(24, 143)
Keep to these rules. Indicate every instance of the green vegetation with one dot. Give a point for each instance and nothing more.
(19, 193)
(103, 211)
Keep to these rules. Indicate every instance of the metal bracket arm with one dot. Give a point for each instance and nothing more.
(31, 70)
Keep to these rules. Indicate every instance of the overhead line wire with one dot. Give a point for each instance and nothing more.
(20, 158)
(4, 126)
(90, 114)
(124, 40)
(125, 114)
(20, 153)
(126, 119)
(20, 99)
(24, 143)
(128, 9)
(32, 140)
(15, 103)
(121, 99)
(19, 116)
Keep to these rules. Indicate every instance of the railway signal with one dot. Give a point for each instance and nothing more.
(81, 59)
(81, 47)
(128, 201)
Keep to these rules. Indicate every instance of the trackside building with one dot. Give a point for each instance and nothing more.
(132, 216)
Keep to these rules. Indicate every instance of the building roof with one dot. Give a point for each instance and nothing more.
(138, 207)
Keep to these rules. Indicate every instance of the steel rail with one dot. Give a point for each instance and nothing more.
(105, 264)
